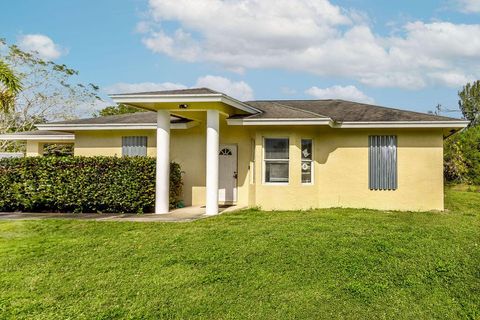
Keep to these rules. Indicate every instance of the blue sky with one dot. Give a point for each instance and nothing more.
(408, 54)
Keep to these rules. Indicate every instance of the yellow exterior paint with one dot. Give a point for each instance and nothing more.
(192, 107)
(34, 149)
(187, 147)
(341, 171)
(340, 165)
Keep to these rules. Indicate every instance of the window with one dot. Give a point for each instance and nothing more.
(134, 146)
(252, 161)
(307, 161)
(382, 162)
(225, 152)
(276, 160)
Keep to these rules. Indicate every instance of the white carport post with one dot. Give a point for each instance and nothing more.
(213, 119)
(163, 162)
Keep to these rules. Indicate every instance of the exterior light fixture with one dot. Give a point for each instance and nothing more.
(183, 106)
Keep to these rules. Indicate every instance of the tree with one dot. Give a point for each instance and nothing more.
(9, 87)
(50, 91)
(116, 110)
(469, 102)
(462, 157)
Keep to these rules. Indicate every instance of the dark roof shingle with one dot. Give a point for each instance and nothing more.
(177, 91)
(147, 117)
(38, 133)
(339, 110)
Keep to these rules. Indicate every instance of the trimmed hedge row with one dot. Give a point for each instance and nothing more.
(83, 184)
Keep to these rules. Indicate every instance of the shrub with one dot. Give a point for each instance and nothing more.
(462, 157)
(83, 184)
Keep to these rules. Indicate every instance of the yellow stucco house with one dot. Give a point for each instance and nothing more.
(277, 155)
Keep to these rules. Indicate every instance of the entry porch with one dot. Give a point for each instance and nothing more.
(187, 104)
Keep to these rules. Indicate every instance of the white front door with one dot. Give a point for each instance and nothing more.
(227, 184)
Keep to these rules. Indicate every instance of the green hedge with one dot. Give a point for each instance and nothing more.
(83, 184)
(462, 157)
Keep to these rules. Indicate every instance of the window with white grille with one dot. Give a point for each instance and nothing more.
(276, 159)
(307, 161)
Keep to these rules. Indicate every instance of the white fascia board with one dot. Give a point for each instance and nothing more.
(151, 98)
(240, 105)
(114, 126)
(183, 98)
(33, 137)
(279, 122)
(325, 121)
(403, 124)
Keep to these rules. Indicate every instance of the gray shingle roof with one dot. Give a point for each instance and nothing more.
(147, 117)
(279, 110)
(178, 91)
(38, 133)
(337, 110)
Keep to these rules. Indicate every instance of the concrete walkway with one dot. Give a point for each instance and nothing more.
(177, 215)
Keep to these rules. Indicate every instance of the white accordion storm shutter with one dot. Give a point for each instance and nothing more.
(382, 162)
(134, 146)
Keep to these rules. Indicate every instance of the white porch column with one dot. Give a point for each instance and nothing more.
(163, 162)
(213, 119)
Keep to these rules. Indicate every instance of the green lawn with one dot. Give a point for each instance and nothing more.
(322, 264)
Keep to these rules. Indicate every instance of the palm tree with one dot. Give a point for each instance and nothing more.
(9, 87)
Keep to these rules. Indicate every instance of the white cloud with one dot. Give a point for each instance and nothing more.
(123, 87)
(469, 6)
(452, 79)
(236, 89)
(43, 45)
(350, 93)
(312, 36)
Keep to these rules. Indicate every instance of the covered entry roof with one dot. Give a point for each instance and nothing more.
(195, 98)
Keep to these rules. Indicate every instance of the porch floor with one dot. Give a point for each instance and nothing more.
(178, 215)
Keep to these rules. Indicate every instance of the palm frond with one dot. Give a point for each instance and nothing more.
(9, 80)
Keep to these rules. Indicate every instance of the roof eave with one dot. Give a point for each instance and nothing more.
(113, 126)
(279, 121)
(403, 124)
(460, 124)
(182, 98)
(25, 137)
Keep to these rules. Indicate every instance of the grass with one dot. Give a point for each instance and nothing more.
(320, 264)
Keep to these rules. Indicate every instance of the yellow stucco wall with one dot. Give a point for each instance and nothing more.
(187, 147)
(34, 149)
(341, 171)
(340, 165)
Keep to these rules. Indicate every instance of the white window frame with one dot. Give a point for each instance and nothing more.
(252, 161)
(312, 163)
(264, 166)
